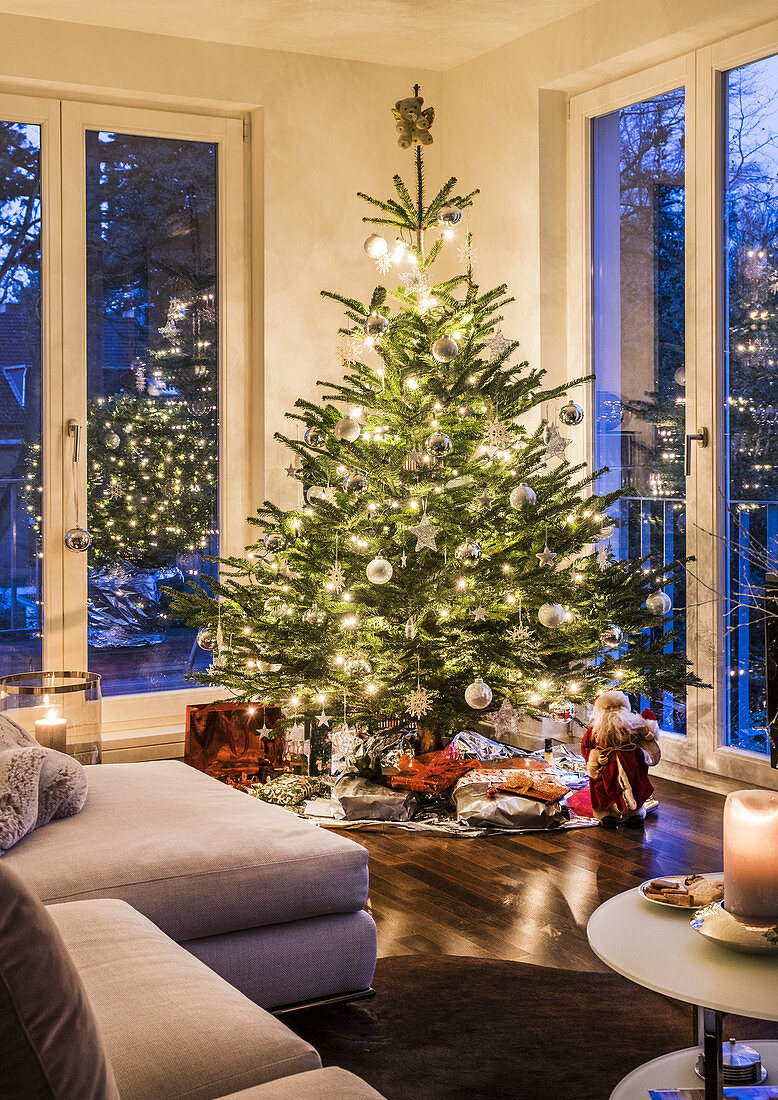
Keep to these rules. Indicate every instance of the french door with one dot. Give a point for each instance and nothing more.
(673, 252)
(123, 351)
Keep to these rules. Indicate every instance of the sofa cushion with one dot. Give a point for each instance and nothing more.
(197, 857)
(20, 770)
(62, 788)
(318, 1084)
(49, 1039)
(171, 1026)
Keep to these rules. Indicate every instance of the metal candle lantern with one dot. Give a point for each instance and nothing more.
(61, 710)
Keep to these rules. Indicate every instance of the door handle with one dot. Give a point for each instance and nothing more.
(74, 430)
(703, 438)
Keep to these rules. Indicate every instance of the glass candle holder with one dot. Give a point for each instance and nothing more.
(751, 856)
(61, 710)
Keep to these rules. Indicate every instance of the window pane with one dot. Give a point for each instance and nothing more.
(152, 391)
(751, 257)
(20, 397)
(638, 335)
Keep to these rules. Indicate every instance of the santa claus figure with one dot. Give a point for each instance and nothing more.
(619, 747)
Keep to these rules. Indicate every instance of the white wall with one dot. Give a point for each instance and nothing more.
(328, 133)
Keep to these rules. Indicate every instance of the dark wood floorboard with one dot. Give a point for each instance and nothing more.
(529, 897)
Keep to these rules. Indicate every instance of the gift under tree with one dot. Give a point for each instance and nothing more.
(446, 561)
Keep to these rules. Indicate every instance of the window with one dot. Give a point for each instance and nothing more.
(122, 299)
(21, 505)
(638, 304)
(152, 399)
(674, 306)
(751, 381)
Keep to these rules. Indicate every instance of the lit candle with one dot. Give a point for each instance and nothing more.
(51, 732)
(751, 856)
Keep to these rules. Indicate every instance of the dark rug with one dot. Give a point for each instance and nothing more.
(446, 1027)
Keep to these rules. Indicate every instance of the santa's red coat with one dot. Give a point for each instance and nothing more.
(605, 789)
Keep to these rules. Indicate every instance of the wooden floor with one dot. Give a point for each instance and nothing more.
(529, 896)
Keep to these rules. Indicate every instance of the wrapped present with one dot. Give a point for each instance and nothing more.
(361, 799)
(230, 741)
(289, 790)
(382, 750)
(469, 745)
(433, 776)
(482, 798)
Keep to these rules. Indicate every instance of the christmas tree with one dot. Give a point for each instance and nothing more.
(446, 560)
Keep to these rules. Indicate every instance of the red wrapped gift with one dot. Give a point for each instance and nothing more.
(223, 740)
(433, 776)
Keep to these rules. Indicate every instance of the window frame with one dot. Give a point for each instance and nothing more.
(701, 73)
(133, 719)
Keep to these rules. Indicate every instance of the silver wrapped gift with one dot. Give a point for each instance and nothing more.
(508, 811)
(361, 799)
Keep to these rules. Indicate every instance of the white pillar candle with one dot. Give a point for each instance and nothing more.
(51, 732)
(751, 856)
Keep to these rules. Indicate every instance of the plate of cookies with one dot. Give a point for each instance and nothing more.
(684, 891)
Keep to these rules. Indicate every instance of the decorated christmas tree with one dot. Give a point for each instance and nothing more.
(446, 561)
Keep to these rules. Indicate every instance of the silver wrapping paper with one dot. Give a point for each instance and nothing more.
(361, 799)
(474, 746)
(506, 811)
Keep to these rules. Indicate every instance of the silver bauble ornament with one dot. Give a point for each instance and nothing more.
(267, 666)
(111, 440)
(438, 444)
(379, 570)
(357, 668)
(551, 615)
(78, 539)
(611, 636)
(680, 376)
(312, 436)
(468, 552)
(468, 413)
(478, 695)
(522, 496)
(312, 493)
(314, 617)
(607, 531)
(355, 482)
(376, 246)
(375, 325)
(561, 712)
(449, 214)
(347, 429)
(445, 349)
(571, 414)
(206, 639)
(659, 603)
(274, 542)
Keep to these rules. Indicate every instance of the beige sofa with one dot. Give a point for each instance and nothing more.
(96, 1003)
(273, 904)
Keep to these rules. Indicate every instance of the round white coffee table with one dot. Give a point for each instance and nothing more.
(655, 946)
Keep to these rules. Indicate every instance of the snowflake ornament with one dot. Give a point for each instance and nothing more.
(384, 264)
(518, 635)
(349, 349)
(328, 496)
(497, 434)
(139, 370)
(336, 578)
(467, 255)
(114, 492)
(602, 556)
(419, 702)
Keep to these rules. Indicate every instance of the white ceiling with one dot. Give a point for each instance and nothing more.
(429, 34)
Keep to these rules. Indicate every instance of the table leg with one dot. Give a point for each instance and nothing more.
(709, 1039)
